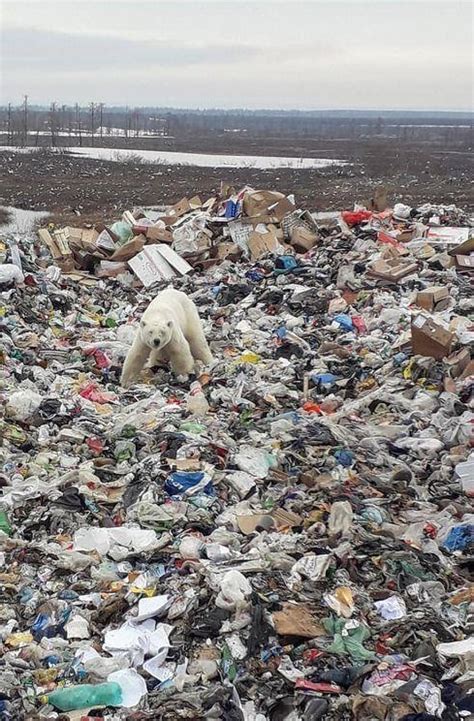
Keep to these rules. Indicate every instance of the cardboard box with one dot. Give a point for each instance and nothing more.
(296, 219)
(435, 298)
(429, 338)
(259, 244)
(106, 240)
(59, 248)
(128, 250)
(282, 208)
(458, 362)
(392, 269)
(175, 261)
(89, 236)
(73, 234)
(180, 208)
(450, 236)
(257, 202)
(159, 233)
(128, 217)
(302, 238)
(464, 262)
(464, 254)
(157, 262)
(228, 250)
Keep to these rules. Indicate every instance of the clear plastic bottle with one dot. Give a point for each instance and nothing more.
(197, 404)
(85, 696)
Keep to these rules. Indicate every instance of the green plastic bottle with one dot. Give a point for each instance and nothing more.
(5, 524)
(85, 695)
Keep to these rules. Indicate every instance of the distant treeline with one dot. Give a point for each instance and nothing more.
(96, 123)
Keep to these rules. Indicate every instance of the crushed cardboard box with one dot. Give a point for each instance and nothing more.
(434, 298)
(429, 338)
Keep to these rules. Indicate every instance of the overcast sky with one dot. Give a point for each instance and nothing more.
(316, 54)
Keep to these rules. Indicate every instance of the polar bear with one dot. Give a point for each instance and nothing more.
(170, 329)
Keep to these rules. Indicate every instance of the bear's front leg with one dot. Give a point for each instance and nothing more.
(181, 360)
(156, 358)
(134, 362)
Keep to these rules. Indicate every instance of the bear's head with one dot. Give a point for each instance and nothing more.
(156, 334)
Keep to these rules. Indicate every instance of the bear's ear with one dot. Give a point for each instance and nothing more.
(170, 324)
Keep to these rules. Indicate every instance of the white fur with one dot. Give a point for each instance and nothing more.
(170, 330)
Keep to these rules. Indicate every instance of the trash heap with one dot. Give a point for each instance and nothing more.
(290, 541)
(161, 245)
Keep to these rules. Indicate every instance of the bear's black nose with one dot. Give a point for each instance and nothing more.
(156, 342)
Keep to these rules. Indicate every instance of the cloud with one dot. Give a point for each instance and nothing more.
(68, 52)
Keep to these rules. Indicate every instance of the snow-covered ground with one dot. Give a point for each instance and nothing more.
(165, 157)
(21, 221)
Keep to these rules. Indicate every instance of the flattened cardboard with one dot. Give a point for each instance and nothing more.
(296, 619)
(279, 518)
(129, 249)
(259, 244)
(249, 524)
(89, 236)
(434, 298)
(429, 338)
(180, 208)
(174, 260)
(195, 202)
(298, 218)
(150, 266)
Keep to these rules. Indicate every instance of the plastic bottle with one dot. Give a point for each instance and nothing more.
(85, 696)
(197, 404)
(5, 524)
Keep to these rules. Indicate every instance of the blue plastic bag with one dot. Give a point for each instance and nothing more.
(184, 482)
(345, 321)
(459, 537)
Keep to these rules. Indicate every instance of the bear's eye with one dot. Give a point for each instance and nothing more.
(143, 323)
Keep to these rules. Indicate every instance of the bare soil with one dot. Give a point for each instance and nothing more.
(78, 190)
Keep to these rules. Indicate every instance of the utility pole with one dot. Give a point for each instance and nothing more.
(53, 124)
(101, 109)
(78, 123)
(92, 107)
(25, 120)
(9, 125)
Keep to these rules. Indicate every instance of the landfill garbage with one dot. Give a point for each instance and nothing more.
(286, 536)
